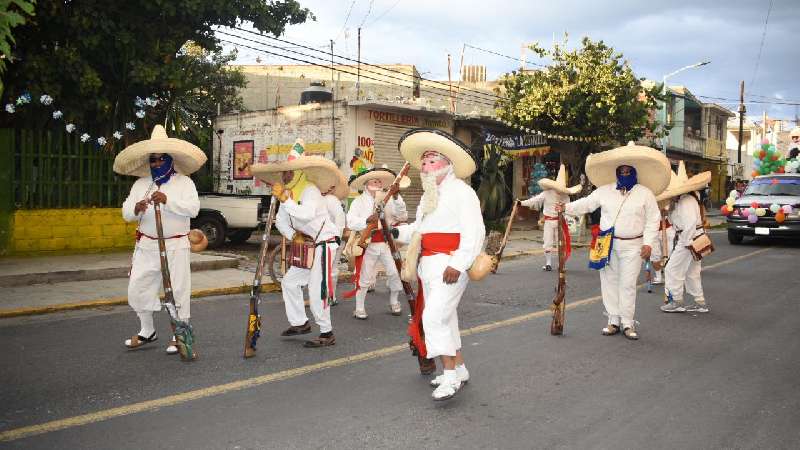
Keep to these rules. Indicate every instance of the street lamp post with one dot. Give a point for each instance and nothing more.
(665, 139)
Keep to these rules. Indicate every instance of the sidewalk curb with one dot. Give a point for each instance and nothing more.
(230, 290)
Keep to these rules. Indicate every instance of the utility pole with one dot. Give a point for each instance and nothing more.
(742, 111)
(358, 76)
(333, 108)
(450, 84)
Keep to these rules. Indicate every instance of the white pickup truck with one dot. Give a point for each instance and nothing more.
(229, 216)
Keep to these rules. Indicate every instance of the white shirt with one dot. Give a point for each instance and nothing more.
(336, 213)
(548, 198)
(685, 217)
(458, 211)
(364, 205)
(309, 216)
(182, 204)
(639, 215)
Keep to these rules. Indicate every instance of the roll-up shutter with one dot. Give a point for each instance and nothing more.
(386, 139)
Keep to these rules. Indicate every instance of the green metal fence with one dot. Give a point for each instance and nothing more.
(54, 169)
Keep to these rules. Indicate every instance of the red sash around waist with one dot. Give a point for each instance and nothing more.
(436, 243)
(546, 217)
(378, 236)
(140, 235)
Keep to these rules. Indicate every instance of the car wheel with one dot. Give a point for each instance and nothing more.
(735, 238)
(214, 230)
(240, 236)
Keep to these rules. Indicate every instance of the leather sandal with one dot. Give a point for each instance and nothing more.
(630, 333)
(138, 340)
(296, 330)
(610, 330)
(320, 342)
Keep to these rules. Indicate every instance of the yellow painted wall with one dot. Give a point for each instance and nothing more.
(51, 231)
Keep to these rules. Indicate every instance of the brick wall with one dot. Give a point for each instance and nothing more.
(43, 231)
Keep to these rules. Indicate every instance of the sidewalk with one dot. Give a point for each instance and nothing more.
(41, 285)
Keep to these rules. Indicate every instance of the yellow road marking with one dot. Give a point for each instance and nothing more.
(171, 400)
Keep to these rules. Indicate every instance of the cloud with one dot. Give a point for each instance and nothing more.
(655, 38)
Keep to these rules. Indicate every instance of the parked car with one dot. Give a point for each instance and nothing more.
(229, 216)
(764, 191)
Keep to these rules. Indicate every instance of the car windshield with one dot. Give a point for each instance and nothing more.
(774, 186)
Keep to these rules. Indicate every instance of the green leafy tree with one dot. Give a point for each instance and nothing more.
(12, 15)
(589, 92)
(95, 57)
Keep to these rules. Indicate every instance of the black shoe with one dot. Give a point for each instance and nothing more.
(296, 330)
(547, 268)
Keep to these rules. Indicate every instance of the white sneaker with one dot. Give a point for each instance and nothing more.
(360, 314)
(172, 348)
(463, 377)
(673, 307)
(697, 308)
(446, 391)
(396, 309)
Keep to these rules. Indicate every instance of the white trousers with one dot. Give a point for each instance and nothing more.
(440, 315)
(379, 252)
(618, 281)
(550, 235)
(292, 289)
(683, 274)
(145, 282)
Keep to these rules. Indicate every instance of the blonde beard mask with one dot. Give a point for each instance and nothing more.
(430, 199)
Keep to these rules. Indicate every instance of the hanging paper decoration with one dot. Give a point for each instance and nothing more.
(47, 100)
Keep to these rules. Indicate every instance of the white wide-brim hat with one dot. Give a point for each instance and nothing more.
(560, 183)
(135, 159)
(386, 175)
(319, 170)
(652, 167)
(680, 183)
(795, 132)
(414, 143)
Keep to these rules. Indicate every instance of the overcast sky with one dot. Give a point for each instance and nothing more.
(655, 37)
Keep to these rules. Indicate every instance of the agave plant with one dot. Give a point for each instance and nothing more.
(493, 193)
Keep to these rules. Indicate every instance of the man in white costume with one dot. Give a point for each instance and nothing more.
(682, 272)
(307, 218)
(448, 233)
(361, 212)
(553, 192)
(628, 179)
(163, 166)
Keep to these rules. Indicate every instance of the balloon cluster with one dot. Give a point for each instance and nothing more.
(727, 208)
(780, 211)
(768, 160)
(792, 165)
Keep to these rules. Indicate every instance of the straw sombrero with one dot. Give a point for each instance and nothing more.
(384, 174)
(652, 167)
(323, 172)
(134, 159)
(419, 140)
(680, 183)
(560, 183)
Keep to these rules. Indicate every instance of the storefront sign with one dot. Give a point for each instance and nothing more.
(517, 141)
(409, 120)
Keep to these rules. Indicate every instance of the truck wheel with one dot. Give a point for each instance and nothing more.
(240, 236)
(214, 230)
(735, 238)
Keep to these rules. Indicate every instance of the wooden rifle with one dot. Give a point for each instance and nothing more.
(184, 335)
(254, 318)
(393, 189)
(503, 243)
(426, 365)
(560, 301)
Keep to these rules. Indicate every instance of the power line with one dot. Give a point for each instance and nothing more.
(500, 54)
(483, 95)
(327, 66)
(347, 17)
(369, 10)
(765, 102)
(386, 11)
(761, 46)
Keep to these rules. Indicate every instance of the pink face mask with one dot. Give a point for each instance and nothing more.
(374, 185)
(432, 161)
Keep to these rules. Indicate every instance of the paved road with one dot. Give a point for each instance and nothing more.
(727, 379)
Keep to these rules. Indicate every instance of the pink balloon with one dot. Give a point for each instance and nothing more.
(765, 141)
(744, 212)
(787, 209)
